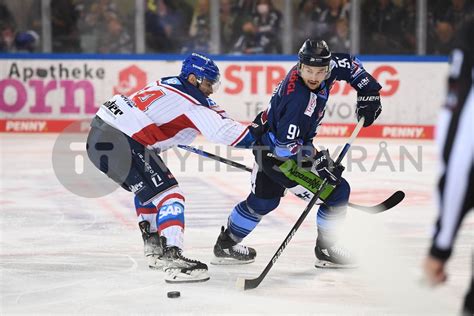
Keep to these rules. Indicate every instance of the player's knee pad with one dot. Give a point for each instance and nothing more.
(262, 206)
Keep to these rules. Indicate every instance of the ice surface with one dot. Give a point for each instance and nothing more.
(62, 253)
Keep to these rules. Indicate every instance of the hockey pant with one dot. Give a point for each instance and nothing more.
(270, 179)
(158, 198)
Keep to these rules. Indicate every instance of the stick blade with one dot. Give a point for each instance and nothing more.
(394, 200)
(248, 284)
(240, 284)
(389, 203)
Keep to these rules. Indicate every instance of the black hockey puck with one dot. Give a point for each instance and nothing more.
(174, 294)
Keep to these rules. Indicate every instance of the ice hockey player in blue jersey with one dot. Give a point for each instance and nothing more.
(287, 158)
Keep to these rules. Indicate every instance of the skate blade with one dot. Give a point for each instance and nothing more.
(229, 261)
(176, 276)
(323, 264)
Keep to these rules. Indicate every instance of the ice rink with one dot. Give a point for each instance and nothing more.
(66, 254)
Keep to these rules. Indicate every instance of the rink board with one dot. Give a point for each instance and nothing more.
(43, 94)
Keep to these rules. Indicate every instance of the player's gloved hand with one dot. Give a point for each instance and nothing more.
(259, 126)
(368, 106)
(326, 168)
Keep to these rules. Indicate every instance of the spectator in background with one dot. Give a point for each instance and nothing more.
(93, 23)
(199, 32)
(381, 27)
(408, 27)
(335, 10)
(458, 13)
(65, 33)
(227, 19)
(12, 40)
(244, 11)
(442, 43)
(116, 39)
(267, 21)
(303, 21)
(26, 42)
(7, 29)
(166, 25)
(340, 42)
(250, 42)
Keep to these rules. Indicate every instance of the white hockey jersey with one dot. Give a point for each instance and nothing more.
(161, 116)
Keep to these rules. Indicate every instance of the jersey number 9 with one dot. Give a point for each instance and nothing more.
(293, 132)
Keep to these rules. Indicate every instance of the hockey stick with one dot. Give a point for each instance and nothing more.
(389, 203)
(247, 284)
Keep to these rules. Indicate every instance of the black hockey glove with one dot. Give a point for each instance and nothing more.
(368, 106)
(259, 126)
(326, 168)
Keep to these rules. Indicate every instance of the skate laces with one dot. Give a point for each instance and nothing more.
(177, 253)
(241, 249)
(341, 251)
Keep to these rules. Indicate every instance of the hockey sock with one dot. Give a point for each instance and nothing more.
(329, 221)
(247, 214)
(170, 219)
(147, 213)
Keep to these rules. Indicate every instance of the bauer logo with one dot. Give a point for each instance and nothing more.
(76, 157)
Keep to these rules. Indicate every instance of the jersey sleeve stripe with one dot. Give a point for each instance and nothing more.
(149, 135)
(152, 133)
(184, 95)
(240, 137)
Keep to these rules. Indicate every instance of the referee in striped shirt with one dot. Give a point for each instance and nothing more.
(455, 137)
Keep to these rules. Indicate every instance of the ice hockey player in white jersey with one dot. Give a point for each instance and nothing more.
(165, 113)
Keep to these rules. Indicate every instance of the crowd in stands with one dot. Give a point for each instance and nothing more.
(246, 26)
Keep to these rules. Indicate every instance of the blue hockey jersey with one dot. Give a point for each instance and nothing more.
(295, 111)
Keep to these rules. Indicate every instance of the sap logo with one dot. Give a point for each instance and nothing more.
(172, 209)
(363, 83)
(112, 107)
(368, 98)
(136, 187)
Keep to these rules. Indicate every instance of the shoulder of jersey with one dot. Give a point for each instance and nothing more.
(176, 83)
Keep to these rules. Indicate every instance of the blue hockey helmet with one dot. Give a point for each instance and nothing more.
(314, 53)
(203, 68)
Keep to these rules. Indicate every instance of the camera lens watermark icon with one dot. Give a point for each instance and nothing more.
(77, 158)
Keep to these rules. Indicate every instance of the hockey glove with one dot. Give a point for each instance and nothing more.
(325, 167)
(259, 126)
(369, 107)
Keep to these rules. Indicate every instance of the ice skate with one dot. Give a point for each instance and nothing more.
(180, 269)
(228, 252)
(153, 247)
(333, 257)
